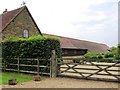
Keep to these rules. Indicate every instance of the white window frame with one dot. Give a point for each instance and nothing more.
(25, 33)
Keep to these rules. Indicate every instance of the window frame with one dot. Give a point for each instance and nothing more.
(25, 33)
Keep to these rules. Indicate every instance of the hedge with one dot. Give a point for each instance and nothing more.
(33, 47)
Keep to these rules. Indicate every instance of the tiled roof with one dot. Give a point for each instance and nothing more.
(8, 16)
(70, 43)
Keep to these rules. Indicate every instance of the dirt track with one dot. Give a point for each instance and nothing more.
(64, 83)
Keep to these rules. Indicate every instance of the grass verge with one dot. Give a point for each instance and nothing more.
(20, 77)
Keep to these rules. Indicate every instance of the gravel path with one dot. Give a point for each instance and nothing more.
(64, 83)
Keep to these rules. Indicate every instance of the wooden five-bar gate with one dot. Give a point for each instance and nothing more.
(84, 69)
(90, 69)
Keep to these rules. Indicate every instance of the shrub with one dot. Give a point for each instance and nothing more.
(78, 59)
(99, 56)
(108, 55)
(35, 46)
(91, 55)
(117, 55)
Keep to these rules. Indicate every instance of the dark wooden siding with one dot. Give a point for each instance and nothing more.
(73, 52)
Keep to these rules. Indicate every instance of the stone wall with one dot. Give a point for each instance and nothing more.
(21, 22)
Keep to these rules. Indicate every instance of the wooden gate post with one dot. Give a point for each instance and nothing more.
(53, 65)
(18, 64)
(38, 66)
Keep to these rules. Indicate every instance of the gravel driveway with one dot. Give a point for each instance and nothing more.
(64, 83)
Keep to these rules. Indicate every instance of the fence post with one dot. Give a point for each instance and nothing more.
(4, 66)
(38, 66)
(53, 65)
(18, 64)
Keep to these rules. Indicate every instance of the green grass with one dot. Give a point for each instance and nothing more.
(5, 76)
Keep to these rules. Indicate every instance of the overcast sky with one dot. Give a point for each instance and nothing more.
(91, 20)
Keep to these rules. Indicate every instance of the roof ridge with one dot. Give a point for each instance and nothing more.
(76, 39)
(14, 9)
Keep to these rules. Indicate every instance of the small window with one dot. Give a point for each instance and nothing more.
(26, 33)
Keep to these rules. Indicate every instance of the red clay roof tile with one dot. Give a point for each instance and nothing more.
(8, 16)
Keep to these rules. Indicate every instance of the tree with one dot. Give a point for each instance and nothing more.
(117, 56)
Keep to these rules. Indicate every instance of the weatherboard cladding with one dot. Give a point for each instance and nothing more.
(66, 43)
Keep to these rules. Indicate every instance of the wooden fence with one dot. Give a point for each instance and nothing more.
(90, 69)
(84, 69)
(31, 65)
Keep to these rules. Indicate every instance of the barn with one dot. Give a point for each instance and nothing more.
(20, 23)
(75, 47)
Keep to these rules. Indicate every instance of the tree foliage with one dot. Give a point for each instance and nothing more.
(114, 53)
